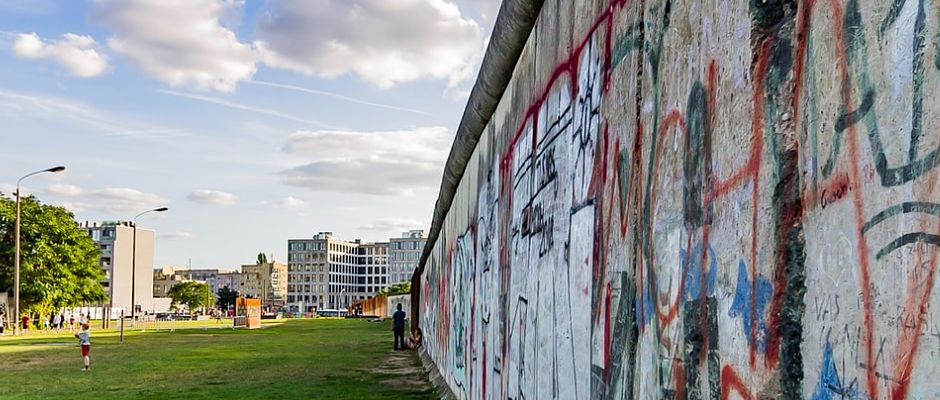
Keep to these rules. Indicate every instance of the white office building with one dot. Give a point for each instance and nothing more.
(404, 253)
(116, 241)
(328, 272)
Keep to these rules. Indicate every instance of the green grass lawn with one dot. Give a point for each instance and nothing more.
(303, 359)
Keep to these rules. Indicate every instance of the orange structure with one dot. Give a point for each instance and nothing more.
(250, 311)
(376, 306)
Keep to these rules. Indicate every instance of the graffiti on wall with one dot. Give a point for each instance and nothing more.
(705, 199)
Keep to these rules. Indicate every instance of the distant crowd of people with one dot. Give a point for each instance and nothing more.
(48, 324)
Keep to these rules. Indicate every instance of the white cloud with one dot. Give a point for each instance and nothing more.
(488, 9)
(60, 189)
(9, 190)
(395, 225)
(106, 201)
(378, 163)
(217, 197)
(76, 53)
(291, 202)
(176, 235)
(383, 42)
(180, 42)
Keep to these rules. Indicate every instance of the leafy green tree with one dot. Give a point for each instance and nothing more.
(397, 288)
(192, 294)
(227, 297)
(59, 261)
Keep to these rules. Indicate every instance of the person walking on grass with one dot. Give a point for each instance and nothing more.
(84, 340)
(398, 327)
(72, 323)
(57, 323)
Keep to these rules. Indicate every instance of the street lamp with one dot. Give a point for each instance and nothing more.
(16, 274)
(134, 264)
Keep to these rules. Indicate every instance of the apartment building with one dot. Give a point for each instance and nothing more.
(404, 253)
(266, 281)
(164, 279)
(117, 244)
(217, 278)
(229, 279)
(328, 272)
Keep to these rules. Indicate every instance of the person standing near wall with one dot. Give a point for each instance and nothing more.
(398, 327)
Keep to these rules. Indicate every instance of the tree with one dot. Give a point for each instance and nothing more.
(59, 261)
(227, 297)
(397, 288)
(262, 259)
(192, 294)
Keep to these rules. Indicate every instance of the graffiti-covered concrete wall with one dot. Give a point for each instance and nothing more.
(722, 199)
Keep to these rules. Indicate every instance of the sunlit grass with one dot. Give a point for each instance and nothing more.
(331, 359)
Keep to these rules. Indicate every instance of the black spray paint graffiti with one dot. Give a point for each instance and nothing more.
(916, 166)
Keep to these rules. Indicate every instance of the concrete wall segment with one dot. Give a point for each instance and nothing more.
(700, 199)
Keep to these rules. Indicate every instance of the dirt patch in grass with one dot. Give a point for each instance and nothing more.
(402, 369)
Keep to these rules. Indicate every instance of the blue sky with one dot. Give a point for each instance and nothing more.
(254, 122)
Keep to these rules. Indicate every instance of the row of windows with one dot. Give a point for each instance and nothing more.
(340, 269)
(405, 256)
(406, 245)
(307, 278)
(305, 268)
(334, 301)
(337, 247)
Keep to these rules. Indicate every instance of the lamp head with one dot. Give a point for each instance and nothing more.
(161, 209)
(56, 169)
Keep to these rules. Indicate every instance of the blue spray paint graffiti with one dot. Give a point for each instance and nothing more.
(830, 386)
(741, 306)
(693, 273)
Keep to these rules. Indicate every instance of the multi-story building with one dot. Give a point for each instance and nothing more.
(164, 279)
(328, 272)
(404, 253)
(229, 279)
(373, 258)
(167, 277)
(206, 275)
(117, 244)
(266, 281)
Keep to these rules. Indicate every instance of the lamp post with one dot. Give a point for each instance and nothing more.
(16, 262)
(134, 264)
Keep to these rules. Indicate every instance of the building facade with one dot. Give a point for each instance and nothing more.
(328, 272)
(217, 278)
(164, 279)
(209, 276)
(117, 261)
(266, 281)
(228, 279)
(373, 259)
(404, 253)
